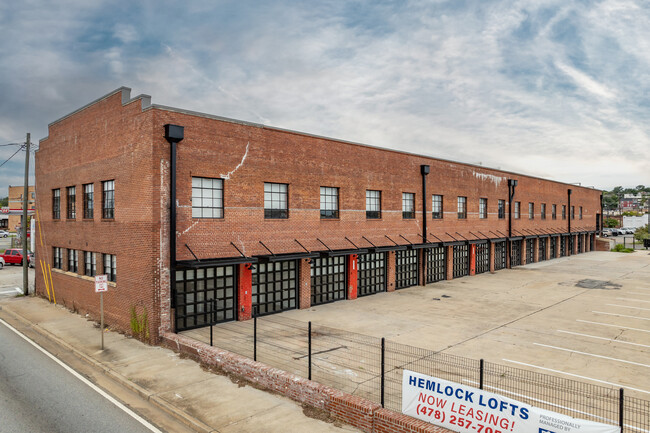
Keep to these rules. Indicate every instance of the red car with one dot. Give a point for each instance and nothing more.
(15, 256)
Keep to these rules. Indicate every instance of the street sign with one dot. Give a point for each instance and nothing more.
(101, 283)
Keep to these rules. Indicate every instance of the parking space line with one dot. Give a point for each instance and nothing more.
(636, 293)
(603, 338)
(612, 326)
(618, 385)
(634, 300)
(592, 354)
(627, 306)
(11, 291)
(621, 315)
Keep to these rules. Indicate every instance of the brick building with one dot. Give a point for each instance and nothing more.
(267, 219)
(15, 208)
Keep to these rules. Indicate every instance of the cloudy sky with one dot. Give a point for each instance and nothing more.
(557, 89)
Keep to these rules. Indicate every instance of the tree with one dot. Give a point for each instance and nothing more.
(4, 202)
(611, 222)
(641, 233)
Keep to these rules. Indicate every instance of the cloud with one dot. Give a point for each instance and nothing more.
(586, 82)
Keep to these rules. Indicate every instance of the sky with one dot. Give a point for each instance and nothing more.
(555, 89)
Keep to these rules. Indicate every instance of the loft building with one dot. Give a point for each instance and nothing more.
(198, 218)
(15, 208)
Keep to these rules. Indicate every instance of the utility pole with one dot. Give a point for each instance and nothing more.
(24, 224)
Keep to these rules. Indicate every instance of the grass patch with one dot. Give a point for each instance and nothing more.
(620, 248)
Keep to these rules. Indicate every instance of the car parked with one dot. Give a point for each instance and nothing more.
(616, 232)
(2, 263)
(4, 233)
(607, 232)
(15, 256)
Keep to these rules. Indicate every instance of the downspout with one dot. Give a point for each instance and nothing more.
(571, 213)
(174, 134)
(424, 170)
(602, 218)
(512, 183)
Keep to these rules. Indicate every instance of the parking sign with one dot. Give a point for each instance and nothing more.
(101, 283)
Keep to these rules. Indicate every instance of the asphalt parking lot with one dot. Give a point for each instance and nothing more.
(11, 276)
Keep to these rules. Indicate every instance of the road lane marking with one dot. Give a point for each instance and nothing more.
(602, 338)
(612, 326)
(592, 354)
(621, 315)
(11, 291)
(627, 306)
(100, 391)
(635, 300)
(618, 385)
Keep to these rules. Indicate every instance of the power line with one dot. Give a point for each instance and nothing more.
(7, 160)
(12, 144)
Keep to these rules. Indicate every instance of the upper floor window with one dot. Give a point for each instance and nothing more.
(57, 259)
(462, 207)
(482, 208)
(554, 211)
(73, 261)
(90, 263)
(531, 210)
(580, 212)
(436, 207)
(573, 212)
(275, 200)
(110, 266)
(329, 202)
(373, 204)
(207, 197)
(542, 210)
(108, 200)
(502, 209)
(72, 198)
(89, 200)
(517, 210)
(563, 211)
(408, 205)
(56, 204)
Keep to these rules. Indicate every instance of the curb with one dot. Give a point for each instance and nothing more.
(170, 409)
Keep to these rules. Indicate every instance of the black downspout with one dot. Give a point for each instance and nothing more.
(424, 170)
(602, 218)
(569, 219)
(174, 135)
(512, 183)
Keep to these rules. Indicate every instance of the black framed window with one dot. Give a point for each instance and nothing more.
(89, 200)
(275, 287)
(542, 211)
(573, 212)
(329, 202)
(328, 282)
(73, 261)
(436, 264)
(553, 211)
(531, 210)
(110, 266)
(207, 197)
(462, 208)
(72, 202)
(502, 209)
(580, 210)
(482, 208)
(517, 210)
(108, 199)
(372, 273)
(57, 259)
(56, 204)
(90, 263)
(563, 211)
(406, 268)
(373, 204)
(408, 205)
(436, 207)
(276, 204)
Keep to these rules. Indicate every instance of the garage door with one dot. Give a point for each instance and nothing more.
(500, 255)
(372, 274)
(406, 269)
(327, 280)
(275, 287)
(461, 260)
(436, 264)
(515, 253)
(530, 250)
(542, 249)
(482, 258)
(553, 249)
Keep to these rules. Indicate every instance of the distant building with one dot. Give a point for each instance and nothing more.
(16, 205)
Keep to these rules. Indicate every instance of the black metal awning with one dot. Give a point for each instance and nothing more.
(386, 248)
(493, 240)
(425, 245)
(287, 256)
(515, 238)
(478, 241)
(336, 253)
(454, 243)
(544, 235)
(208, 263)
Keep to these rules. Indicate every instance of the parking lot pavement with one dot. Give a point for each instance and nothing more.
(11, 281)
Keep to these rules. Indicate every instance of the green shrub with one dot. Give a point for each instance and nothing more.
(611, 222)
(641, 233)
(140, 324)
(620, 248)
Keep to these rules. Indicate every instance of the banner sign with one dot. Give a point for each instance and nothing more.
(467, 409)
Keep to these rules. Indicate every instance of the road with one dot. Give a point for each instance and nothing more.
(37, 394)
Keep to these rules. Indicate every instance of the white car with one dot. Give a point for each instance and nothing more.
(4, 233)
(2, 263)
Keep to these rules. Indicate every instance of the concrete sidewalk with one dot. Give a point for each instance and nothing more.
(205, 401)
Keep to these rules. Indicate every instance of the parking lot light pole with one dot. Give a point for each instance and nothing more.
(24, 222)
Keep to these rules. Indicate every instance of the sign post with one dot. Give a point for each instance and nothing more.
(101, 286)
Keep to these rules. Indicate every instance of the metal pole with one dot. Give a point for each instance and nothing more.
(481, 375)
(621, 408)
(383, 369)
(101, 322)
(211, 320)
(24, 222)
(309, 350)
(255, 337)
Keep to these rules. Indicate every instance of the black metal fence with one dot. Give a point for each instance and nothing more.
(372, 367)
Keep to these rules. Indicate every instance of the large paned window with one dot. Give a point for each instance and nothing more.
(531, 210)
(73, 261)
(108, 199)
(57, 261)
(542, 210)
(408, 205)
(276, 203)
(482, 208)
(72, 202)
(573, 212)
(462, 208)
(436, 207)
(554, 211)
(89, 200)
(502, 209)
(580, 215)
(110, 266)
(329, 202)
(517, 210)
(373, 204)
(90, 263)
(207, 197)
(563, 211)
(56, 204)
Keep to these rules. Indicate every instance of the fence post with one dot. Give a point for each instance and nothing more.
(481, 374)
(383, 369)
(212, 308)
(309, 350)
(621, 408)
(255, 335)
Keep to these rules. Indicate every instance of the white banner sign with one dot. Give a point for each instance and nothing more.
(101, 283)
(464, 408)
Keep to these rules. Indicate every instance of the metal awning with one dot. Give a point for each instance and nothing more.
(287, 256)
(426, 245)
(515, 238)
(386, 248)
(493, 240)
(337, 253)
(208, 263)
(478, 241)
(454, 243)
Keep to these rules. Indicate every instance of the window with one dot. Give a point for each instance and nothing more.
(554, 211)
(502, 209)
(563, 211)
(275, 200)
(56, 204)
(573, 212)
(108, 200)
(531, 210)
(580, 212)
(329, 202)
(73, 261)
(72, 196)
(89, 200)
(517, 210)
(57, 259)
(408, 205)
(436, 207)
(542, 211)
(462, 208)
(90, 264)
(482, 208)
(207, 197)
(110, 266)
(373, 204)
